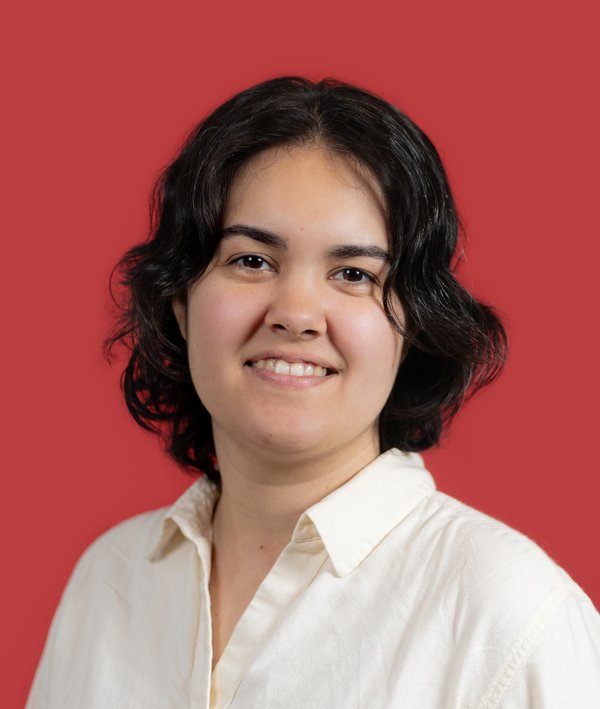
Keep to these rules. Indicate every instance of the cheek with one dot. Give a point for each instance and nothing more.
(219, 320)
(372, 343)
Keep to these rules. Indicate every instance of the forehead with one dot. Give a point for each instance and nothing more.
(302, 187)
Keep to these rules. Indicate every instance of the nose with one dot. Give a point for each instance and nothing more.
(296, 309)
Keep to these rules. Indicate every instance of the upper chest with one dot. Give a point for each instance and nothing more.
(395, 626)
(232, 585)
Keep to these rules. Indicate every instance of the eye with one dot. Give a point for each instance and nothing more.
(354, 276)
(252, 262)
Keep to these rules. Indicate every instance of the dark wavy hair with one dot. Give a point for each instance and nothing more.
(454, 344)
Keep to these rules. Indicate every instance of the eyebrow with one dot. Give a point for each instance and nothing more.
(342, 251)
(265, 237)
(357, 250)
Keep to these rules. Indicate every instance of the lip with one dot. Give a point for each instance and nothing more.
(291, 357)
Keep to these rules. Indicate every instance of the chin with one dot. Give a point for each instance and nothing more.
(292, 438)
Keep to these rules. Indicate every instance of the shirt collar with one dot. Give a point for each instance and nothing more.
(191, 515)
(351, 520)
(355, 518)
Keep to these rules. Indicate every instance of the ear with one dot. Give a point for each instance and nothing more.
(180, 310)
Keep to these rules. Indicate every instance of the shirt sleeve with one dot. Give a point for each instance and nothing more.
(563, 669)
(62, 635)
(38, 693)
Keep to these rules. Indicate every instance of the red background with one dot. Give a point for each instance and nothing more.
(98, 96)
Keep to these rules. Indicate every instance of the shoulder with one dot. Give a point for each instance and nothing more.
(499, 598)
(129, 537)
(120, 548)
(490, 555)
(486, 600)
(485, 577)
(94, 607)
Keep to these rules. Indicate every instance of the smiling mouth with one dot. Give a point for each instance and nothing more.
(292, 369)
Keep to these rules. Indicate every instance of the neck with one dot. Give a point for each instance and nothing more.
(264, 493)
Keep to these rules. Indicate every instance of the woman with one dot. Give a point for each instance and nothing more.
(297, 335)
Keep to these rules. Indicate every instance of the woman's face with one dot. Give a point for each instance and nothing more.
(289, 345)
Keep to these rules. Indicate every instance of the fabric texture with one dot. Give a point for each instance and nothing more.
(389, 594)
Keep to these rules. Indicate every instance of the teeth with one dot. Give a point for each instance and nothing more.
(294, 369)
(282, 367)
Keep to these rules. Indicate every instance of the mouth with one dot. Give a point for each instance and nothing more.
(298, 368)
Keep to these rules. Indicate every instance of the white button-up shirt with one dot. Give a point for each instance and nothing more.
(389, 594)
